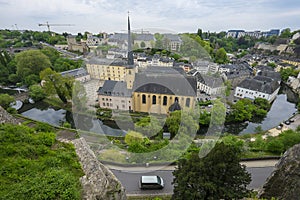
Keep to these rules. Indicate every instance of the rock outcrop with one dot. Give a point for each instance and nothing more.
(98, 182)
(284, 182)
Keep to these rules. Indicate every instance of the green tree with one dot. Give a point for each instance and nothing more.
(143, 45)
(55, 83)
(219, 175)
(51, 53)
(148, 126)
(286, 33)
(37, 93)
(132, 137)
(221, 56)
(173, 122)
(6, 100)
(31, 62)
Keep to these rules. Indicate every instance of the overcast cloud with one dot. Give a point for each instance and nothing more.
(154, 15)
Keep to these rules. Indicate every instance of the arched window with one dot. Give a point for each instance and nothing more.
(153, 99)
(187, 102)
(176, 99)
(144, 99)
(165, 100)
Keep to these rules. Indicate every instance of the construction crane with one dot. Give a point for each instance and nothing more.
(48, 25)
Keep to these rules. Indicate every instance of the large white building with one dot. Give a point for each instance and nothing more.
(259, 86)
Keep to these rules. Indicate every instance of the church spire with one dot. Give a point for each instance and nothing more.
(129, 54)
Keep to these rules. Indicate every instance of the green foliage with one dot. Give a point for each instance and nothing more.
(31, 62)
(246, 110)
(219, 175)
(6, 100)
(55, 83)
(286, 33)
(7, 66)
(36, 166)
(51, 53)
(173, 122)
(66, 125)
(286, 72)
(133, 137)
(148, 126)
(37, 93)
(204, 118)
(112, 155)
(221, 56)
(65, 64)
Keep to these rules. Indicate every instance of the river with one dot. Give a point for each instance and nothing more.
(282, 109)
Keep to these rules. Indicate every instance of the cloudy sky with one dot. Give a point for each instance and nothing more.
(154, 15)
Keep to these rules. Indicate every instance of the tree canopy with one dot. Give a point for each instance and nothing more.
(219, 175)
(31, 62)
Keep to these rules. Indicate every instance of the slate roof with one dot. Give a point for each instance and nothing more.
(261, 84)
(172, 37)
(119, 36)
(75, 72)
(145, 37)
(271, 74)
(114, 88)
(165, 80)
(210, 81)
(112, 62)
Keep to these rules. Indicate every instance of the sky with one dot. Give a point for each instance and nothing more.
(174, 16)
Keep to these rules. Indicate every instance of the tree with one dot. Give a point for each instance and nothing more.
(6, 100)
(36, 92)
(133, 137)
(51, 53)
(221, 56)
(286, 33)
(219, 175)
(31, 62)
(55, 83)
(148, 126)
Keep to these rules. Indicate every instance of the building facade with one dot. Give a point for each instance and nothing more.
(259, 86)
(115, 95)
(157, 89)
(116, 70)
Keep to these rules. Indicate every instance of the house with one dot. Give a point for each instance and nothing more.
(163, 89)
(115, 95)
(235, 73)
(73, 45)
(144, 40)
(259, 86)
(209, 84)
(172, 41)
(204, 66)
(79, 74)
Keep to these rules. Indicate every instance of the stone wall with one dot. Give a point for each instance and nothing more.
(284, 182)
(5, 117)
(98, 182)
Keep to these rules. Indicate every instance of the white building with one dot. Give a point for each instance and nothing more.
(209, 85)
(115, 95)
(259, 86)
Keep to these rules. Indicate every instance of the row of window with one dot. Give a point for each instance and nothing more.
(165, 100)
(111, 105)
(263, 96)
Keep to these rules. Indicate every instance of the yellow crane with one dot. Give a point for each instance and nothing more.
(48, 25)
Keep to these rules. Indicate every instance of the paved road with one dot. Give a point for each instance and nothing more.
(129, 179)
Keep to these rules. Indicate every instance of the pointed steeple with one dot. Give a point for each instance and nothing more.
(130, 53)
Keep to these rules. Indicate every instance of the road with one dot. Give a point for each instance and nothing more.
(129, 179)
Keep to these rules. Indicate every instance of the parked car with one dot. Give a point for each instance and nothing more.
(287, 122)
(151, 182)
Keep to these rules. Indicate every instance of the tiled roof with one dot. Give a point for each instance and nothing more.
(75, 72)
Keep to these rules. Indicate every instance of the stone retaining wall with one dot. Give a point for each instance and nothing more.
(98, 182)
